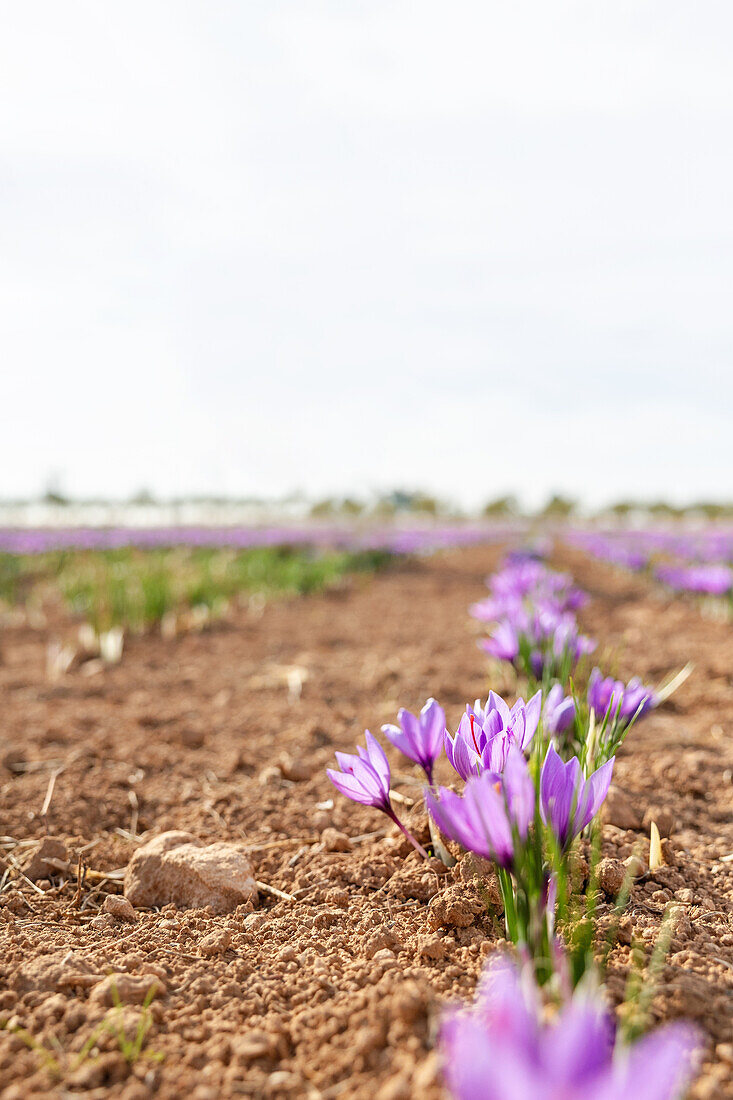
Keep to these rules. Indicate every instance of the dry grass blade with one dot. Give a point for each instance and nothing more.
(267, 889)
(11, 859)
(49, 790)
(93, 876)
(677, 681)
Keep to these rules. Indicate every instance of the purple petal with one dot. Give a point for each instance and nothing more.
(378, 759)
(520, 791)
(495, 702)
(432, 724)
(532, 713)
(349, 787)
(659, 1066)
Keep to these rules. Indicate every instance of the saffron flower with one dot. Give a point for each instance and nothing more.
(567, 801)
(503, 643)
(547, 639)
(365, 778)
(503, 1048)
(614, 694)
(558, 711)
(491, 810)
(485, 734)
(419, 737)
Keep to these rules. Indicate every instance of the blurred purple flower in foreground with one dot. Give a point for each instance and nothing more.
(484, 819)
(567, 801)
(628, 698)
(419, 738)
(503, 1049)
(485, 734)
(365, 778)
(558, 711)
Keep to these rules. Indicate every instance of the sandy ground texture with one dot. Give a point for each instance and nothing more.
(336, 990)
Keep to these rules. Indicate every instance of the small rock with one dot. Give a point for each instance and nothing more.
(282, 1079)
(106, 1070)
(132, 989)
(334, 841)
(120, 908)
(432, 947)
(216, 943)
(685, 895)
(253, 1044)
(175, 867)
(102, 923)
(253, 921)
(455, 907)
(618, 810)
(664, 820)
(49, 848)
(611, 875)
(297, 771)
(637, 864)
(380, 940)
(269, 775)
(191, 738)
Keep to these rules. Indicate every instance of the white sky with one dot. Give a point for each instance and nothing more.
(247, 247)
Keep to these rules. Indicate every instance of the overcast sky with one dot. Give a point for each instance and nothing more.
(250, 247)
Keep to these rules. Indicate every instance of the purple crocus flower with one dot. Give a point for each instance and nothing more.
(628, 698)
(485, 734)
(567, 801)
(492, 808)
(419, 738)
(365, 778)
(558, 711)
(503, 1049)
(503, 643)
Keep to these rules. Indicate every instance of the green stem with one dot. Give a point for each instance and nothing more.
(510, 908)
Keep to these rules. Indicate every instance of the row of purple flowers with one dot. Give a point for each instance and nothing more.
(395, 539)
(697, 562)
(536, 775)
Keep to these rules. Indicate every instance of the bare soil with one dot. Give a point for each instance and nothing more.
(337, 992)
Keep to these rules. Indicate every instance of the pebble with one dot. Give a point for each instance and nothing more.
(335, 841)
(120, 908)
(637, 864)
(269, 775)
(176, 867)
(297, 771)
(216, 943)
(128, 989)
(611, 875)
(432, 947)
